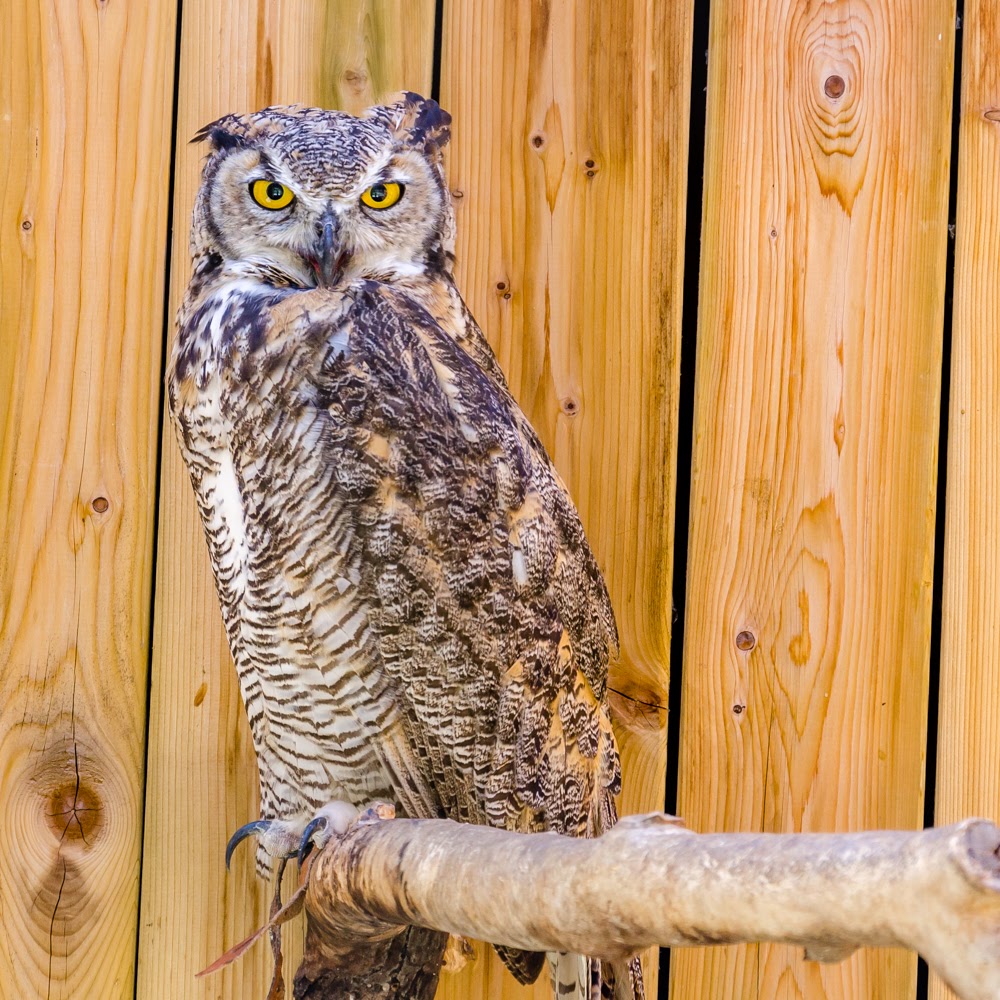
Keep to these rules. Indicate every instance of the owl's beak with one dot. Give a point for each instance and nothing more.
(329, 257)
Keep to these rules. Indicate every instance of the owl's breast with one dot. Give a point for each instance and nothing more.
(283, 541)
(207, 438)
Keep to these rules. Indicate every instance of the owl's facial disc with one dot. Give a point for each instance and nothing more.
(312, 198)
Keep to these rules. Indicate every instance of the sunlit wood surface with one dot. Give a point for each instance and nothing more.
(807, 635)
(968, 758)
(83, 212)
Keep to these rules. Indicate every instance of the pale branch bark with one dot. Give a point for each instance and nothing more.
(651, 881)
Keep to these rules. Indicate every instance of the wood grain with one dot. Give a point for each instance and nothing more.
(569, 169)
(968, 778)
(815, 443)
(83, 215)
(202, 779)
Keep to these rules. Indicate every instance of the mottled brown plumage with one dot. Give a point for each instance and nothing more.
(412, 605)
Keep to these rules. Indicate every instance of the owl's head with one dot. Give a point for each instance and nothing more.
(307, 197)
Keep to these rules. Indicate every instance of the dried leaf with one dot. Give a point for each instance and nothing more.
(292, 908)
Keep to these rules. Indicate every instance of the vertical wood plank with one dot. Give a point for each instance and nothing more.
(569, 168)
(202, 778)
(968, 776)
(815, 443)
(85, 99)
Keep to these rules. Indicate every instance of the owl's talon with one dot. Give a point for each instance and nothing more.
(284, 839)
(334, 819)
(306, 845)
(279, 838)
(254, 828)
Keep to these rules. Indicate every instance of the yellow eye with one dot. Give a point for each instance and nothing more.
(271, 194)
(382, 195)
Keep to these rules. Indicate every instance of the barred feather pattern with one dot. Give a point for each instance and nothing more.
(412, 605)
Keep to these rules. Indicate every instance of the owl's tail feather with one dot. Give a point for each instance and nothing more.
(576, 977)
(622, 980)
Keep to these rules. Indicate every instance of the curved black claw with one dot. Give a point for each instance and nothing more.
(247, 830)
(305, 845)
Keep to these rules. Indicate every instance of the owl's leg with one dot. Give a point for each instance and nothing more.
(285, 839)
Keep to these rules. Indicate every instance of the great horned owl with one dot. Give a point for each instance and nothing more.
(410, 600)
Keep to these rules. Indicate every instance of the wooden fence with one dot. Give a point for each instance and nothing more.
(815, 690)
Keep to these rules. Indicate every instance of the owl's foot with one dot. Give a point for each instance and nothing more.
(285, 839)
(334, 819)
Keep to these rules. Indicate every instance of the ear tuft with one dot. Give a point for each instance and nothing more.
(422, 122)
(224, 133)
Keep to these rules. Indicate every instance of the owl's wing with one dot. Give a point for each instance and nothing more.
(485, 602)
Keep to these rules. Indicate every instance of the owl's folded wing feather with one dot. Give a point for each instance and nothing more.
(485, 601)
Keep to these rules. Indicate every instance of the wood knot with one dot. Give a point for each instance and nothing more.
(639, 708)
(26, 225)
(538, 140)
(569, 406)
(838, 88)
(75, 812)
(834, 87)
(745, 640)
(739, 709)
(839, 432)
(100, 505)
(992, 114)
(356, 79)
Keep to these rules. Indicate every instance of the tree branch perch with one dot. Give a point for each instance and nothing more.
(651, 881)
